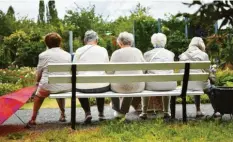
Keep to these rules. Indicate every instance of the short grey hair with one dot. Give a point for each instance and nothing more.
(159, 40)
(90, 35)
(125, 38)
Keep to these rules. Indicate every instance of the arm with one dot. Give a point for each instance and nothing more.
(112, 59)
(40, 67)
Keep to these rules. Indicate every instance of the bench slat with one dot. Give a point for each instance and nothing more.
(145, 93)
(66, 67)
(127, 78)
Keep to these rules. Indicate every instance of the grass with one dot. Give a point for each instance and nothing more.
(134, 131)
(50, 103)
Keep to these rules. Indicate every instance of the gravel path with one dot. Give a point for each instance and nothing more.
(52, 115)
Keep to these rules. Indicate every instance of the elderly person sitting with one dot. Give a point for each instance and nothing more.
(196, 52)
(54, 54)
(92, 53)
(158, 54)
(126, 53)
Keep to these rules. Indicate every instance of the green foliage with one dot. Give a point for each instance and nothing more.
(13, 43)
(209, 13)
(177, 43)
(28, 54)
(41, 15)
(8, 88)
(22, 76)
(145, 27)
(138, 131)
(11, 13)
(224, 78)
(52, 16)
(7, 25)
(190, 99)
(83, 19)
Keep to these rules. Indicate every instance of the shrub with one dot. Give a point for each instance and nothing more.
(190, 99)
(22, 76)
(7, 88)
(224, 78)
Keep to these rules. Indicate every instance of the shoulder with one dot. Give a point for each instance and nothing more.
(43, 54)
(170, 52)
(80, 49)
(102, 49)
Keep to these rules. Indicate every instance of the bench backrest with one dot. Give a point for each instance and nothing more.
(111, 78)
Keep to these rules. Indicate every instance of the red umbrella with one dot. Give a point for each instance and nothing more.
(12, 102)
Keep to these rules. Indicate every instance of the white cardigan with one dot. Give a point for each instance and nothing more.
(91, 54)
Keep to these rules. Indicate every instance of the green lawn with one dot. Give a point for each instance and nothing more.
(50, 103)
(136, 131)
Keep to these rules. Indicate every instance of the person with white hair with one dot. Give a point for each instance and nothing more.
(92, 53)
(196, 52)
(126, 53)
(158, 54)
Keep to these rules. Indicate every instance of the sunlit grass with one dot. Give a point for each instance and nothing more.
(135, 131)
(50, 103)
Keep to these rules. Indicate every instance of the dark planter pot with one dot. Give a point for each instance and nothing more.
(222, 100)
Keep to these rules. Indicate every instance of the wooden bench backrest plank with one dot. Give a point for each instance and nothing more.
(127, 77)
(54, 67)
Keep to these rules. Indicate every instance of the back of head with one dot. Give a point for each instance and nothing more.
(198, 42)
(53, 40)
(90, 36)
(126, 38)
(159, 40)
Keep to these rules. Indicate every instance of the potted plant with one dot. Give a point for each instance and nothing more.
(222, 94)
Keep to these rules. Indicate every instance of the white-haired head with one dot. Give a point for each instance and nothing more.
(159, 40)
(198, 42)
(125, 39)
(90, 36)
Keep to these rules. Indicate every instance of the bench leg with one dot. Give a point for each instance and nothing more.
(73, 113)
(173, 107)
(184, 111)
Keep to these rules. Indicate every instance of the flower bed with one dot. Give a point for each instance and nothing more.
(14, 79)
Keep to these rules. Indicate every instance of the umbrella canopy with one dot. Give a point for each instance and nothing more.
(10, 103)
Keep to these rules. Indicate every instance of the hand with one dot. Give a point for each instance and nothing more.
(37, 83)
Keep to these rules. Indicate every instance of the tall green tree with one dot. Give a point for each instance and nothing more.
(11, 13)
(41, 15)
(84, 19)
(53, 16)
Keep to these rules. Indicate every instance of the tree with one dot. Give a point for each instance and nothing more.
(7, 25)
(11, 13)
(52, 16)
(13, 43)
(41, 15)
(211, 12)
(84, 19)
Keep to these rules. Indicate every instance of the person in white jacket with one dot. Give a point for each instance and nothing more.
(92, 53)
(126, 53)
(196, 52)
(158, 54)
(54, 54)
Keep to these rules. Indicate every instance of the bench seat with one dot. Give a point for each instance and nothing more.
(145, 93)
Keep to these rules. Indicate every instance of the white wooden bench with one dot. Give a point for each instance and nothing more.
(74, 78)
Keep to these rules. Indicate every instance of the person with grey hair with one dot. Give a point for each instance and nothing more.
(92, 53)
(126, 53)
(158, 54)
(196, 52)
